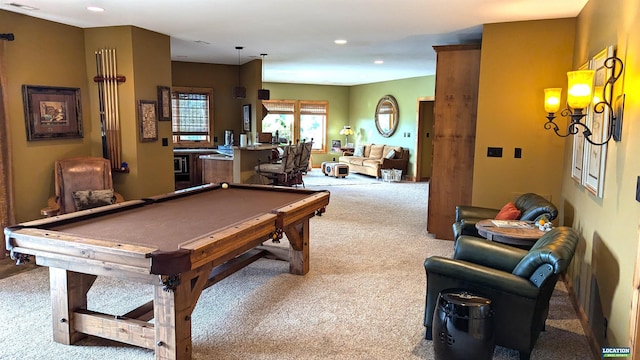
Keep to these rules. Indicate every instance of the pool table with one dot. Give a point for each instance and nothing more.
(179, 243)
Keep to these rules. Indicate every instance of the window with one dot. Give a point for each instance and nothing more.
(192, 110)
(298, 121)
(313, 123)
(280, 119)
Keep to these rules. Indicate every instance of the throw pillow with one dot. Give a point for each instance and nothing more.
(376, 151)
(508, 212)
(359, 151)
(89, 199)
(391, 154)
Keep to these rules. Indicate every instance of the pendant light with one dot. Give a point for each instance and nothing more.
(239, 92)
(263, 94)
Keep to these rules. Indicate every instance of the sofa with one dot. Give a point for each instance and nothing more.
(518, 282)
(371, 158)
(530, 207)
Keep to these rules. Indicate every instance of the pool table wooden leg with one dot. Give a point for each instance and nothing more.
(298, 235)
(68, 294)
(172, 312)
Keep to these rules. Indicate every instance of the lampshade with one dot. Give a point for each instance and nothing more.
(580, 88)
(346, 131)
(552, 99)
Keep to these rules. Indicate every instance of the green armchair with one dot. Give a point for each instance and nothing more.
(518, 282)
(531, 207)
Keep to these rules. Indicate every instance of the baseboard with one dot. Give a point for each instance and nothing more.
(582, 316)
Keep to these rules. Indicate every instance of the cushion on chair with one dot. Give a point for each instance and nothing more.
(359, 151)
(390, 155)
(508, 212)
(89, 199)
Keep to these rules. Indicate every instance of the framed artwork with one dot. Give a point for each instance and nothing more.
(164, 103)
(148, 120)
(246, 118)
(52, 112)
(577, 160)
(595, 156)
(336, 145)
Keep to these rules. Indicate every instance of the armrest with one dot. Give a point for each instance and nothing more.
(479, 275)
(468, 212)
(399, 164)
(52, 208)
(488, 253)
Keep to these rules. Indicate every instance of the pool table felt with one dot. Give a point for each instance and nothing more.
(168, 224)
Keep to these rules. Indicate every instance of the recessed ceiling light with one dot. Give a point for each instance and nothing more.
(378, 62)
(23, 7)
(340, 41)
(95, 8)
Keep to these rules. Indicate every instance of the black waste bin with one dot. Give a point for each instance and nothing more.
(462, 326)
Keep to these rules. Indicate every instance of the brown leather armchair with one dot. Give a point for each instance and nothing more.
(518, 282)
(78, 174)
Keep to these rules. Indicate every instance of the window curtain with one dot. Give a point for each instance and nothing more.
(7, 216)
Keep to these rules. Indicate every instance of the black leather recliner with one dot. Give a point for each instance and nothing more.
(518, 282)
(531, 207)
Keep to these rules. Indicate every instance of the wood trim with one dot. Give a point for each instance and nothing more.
(584, 319)
(474, 46)
(634, 319)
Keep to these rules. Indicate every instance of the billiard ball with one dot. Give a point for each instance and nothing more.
(225, 185)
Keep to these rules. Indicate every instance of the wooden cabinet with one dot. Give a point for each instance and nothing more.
(217, 169)
(455, 109)
(187, 168)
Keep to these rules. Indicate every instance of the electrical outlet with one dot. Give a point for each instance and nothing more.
(494, 152)
(517, 153)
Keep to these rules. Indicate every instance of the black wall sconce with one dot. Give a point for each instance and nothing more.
(580, 94)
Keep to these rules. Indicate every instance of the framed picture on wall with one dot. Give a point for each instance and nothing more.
(577, 160)
(52, 112)
(246, 118)
(164, 103)
(596, 155)
(148, 120)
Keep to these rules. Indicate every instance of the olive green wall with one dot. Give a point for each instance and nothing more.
(144, 58)
(363, 102)
(151, 163)
(603, 270)
(356, 105)
(339, 102)
(49, 54)
(519, 60)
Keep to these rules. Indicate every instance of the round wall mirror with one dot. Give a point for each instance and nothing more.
(387, 115)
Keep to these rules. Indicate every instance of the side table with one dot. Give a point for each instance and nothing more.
(520, 237)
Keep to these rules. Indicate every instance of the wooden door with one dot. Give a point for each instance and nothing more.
(455, 109)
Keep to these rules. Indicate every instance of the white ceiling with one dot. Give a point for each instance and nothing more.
(298, 35)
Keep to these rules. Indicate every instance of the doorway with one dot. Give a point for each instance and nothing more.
(424, 139)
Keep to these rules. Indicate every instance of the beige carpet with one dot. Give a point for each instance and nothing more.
(362, 299)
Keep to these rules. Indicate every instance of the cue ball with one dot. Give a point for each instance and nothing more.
(225, 185)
